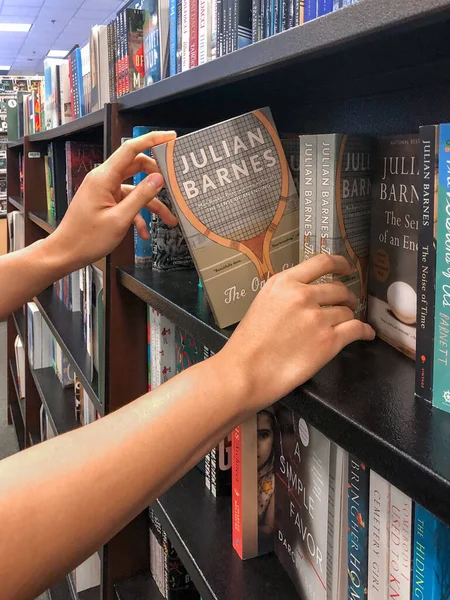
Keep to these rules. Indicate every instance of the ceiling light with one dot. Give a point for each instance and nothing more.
(23, 27)
(3, 68)
(57, 53)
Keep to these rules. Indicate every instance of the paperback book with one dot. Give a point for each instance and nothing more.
(400, 541)
(379, 535)
(358, 525)
(81, 157)
(237, 206)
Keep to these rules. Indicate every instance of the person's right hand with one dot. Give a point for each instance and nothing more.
(292, 329)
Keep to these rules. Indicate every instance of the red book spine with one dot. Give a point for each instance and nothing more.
(236, 508)
(193, 33)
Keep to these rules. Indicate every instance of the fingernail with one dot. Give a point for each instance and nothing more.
(156, 179)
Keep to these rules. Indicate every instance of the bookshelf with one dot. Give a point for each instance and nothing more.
(379, 66)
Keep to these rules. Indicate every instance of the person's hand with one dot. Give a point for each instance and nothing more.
(103, 208)
(292, 329)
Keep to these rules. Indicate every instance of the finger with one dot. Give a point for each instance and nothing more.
(141, 227)
(350, 331)
(142, 163)
(330, 294)
(335, 315)
(122, 158)
(164, 213)
(317, 266)
(140, 197)
(126, 189)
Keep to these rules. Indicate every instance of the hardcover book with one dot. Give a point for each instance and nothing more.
(393, 242)
(163, 356)
(81, 158)
(142, 248)
(344, 193)
(379, 534)
(135, 63)
(156, 41)
(291, 147)
(302, 503)
(400, 545)
(237, 206)
(358, 515)
(308, 196)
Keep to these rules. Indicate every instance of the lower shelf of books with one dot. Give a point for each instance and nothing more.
(141, 587)
(16, 417)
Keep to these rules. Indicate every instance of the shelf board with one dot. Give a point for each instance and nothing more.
(16, 201)
(178, 296)
(34, 438)
(363, 400)
(60, 591)
(141, 587)
(44, 220)
(59, 402)
(15, 377)
(329, 34)
(89, 121)
(188, 507)
(67, 327)
(15, 143)
(19, 321)
(16, 418)
(90, 594)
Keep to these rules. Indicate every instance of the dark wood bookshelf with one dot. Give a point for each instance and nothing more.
(15, 376)
(141, 587)
(16, 201)
(34, 438)
(16, 143)
(16, 419)
(59, 402)
(85, 123)
(67, 327)
(60, 591)
(19, 321)
(199, 526)
(90, 594)
(44, 221)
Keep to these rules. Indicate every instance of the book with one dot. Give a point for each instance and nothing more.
(241, 31)
(149, 351)
(310, 10)
(193, 33)
(163, 354)
(430, 567)
(38, 334)
(337, 524)
(441, 380)
(143, 249)
(344, 195)
(399, 573)
(358, 515)
(379, 533)
(205, 34)
(393, 243)
(237, 206)
(291, 147)
(185, 32)
(19, 353)
(134, 49)
(308, 196)
(426, 267)
(81, 157)
(156, 41)
(302, 503)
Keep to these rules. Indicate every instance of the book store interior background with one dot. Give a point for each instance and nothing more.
(329, 121)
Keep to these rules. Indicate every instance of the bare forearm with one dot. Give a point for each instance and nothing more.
(25, 273)
(111, 470)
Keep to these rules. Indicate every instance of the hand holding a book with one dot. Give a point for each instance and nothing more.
(103, 208)
(293, 329)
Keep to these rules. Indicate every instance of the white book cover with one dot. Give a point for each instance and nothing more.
(88, 409)
(89, 321)
(185, 30)
(213, 14)
(75, 291)
(34, 333)
(163, 349)
(103, 64)
(20, 364)
(379, 522)
(204, 31)
(88, 574)
(400, 545)
(64, 91)
(46, 345)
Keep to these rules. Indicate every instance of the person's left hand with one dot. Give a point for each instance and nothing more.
(103, 208)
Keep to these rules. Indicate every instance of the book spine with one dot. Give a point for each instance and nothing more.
(379, 522)
(117, 55)
(213, 16)
(400, 545)
(202, 31)
(72, 99)
(284, 14)
(244, 23)
(193, 33)
(208, 471)
(219, 28)
(234, 25)
(179, 35)
(441, 387)
(426, 268)
(308, 196)
(266, 18)
(237, 500)
(276, 5)
(310, 10)
(255, 20)
(229, 32)
(293, 6)
(324, 7)
(358, 499)
(173, 37)
(214, 472)
(327, 219)
(185, 35)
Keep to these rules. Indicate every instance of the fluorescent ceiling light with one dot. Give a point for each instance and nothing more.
(57, 53)
(23, 27)
(3, 68)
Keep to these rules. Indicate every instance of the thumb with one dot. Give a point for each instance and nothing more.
(129, 207)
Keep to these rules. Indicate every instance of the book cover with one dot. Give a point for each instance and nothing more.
(324, 7)
(291, 147)
(156, 41)
(253, 484)
(179, 35)
(358, 515)
(310, 10)
(185, 34)
(431, 570)
(112, 60)
(95, 68)
(213, 13)
(149, 346)
(308, 196)
(81, 158)
(441, 379)
(163, 354)
(237, 206)
(302, 503)
(58, 166)
(193, 33)
(86, 78)
(204, 31)
(172, 37)
(426, 267)
(345, 169)
(393, 242)
(379, 534)
(241, 24)
(400, 540)
(135, 67)
(142, 248)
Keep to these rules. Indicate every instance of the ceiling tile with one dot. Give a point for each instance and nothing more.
(20, 12)
(25, 3)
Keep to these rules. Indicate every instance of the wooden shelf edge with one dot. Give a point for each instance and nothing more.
(94, 119)
(16, 202)
(16, 418)
(48, 224)
(19, 322)
(140, 587)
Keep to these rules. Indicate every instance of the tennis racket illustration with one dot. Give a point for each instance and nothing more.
(243, 214)
(354, 214)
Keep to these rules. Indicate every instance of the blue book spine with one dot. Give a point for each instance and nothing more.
(358, 527)
(173, 36)
(431, 554)
(441, 376)
(79, 82)
(143, 249)
(310, 10)
(324, 7)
